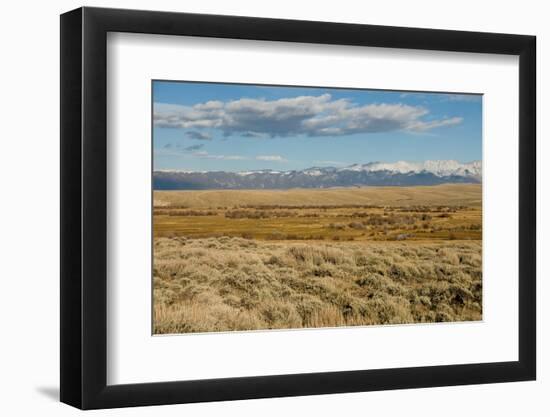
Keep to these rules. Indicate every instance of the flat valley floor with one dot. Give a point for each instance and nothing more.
(229, 260)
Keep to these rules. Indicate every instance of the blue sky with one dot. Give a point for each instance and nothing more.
(233, 127)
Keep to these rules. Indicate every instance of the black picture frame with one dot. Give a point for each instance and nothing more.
(84, 207)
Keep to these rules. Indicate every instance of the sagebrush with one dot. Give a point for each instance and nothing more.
(230, 283)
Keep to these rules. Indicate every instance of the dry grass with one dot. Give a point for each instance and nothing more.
(341, 214)
(250, 260)
(223, 284)
(322, 223)
(446, 194)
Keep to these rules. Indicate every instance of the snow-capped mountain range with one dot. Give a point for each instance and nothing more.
(439, 168)
(401, 173)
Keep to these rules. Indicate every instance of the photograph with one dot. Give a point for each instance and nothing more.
(283, 207)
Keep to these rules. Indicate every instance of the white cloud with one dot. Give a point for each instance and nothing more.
(304, 115)
(194, 152)
(421, 126)
(206, 155)
(271, 158)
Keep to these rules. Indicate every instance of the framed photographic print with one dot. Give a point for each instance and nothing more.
(258, 207)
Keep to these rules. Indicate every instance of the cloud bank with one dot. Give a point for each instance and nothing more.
(304, 115)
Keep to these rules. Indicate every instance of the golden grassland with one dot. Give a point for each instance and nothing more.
(446, 194)
(257, 259)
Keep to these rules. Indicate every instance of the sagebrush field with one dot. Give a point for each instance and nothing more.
(262, 259)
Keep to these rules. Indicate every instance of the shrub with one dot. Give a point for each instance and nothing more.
(231, 283)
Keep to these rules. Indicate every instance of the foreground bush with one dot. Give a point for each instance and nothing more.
(225, 283)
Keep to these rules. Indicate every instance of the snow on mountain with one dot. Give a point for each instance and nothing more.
(314, 172)
(438, 168)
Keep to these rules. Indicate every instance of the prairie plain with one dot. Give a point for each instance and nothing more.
(263, 259)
